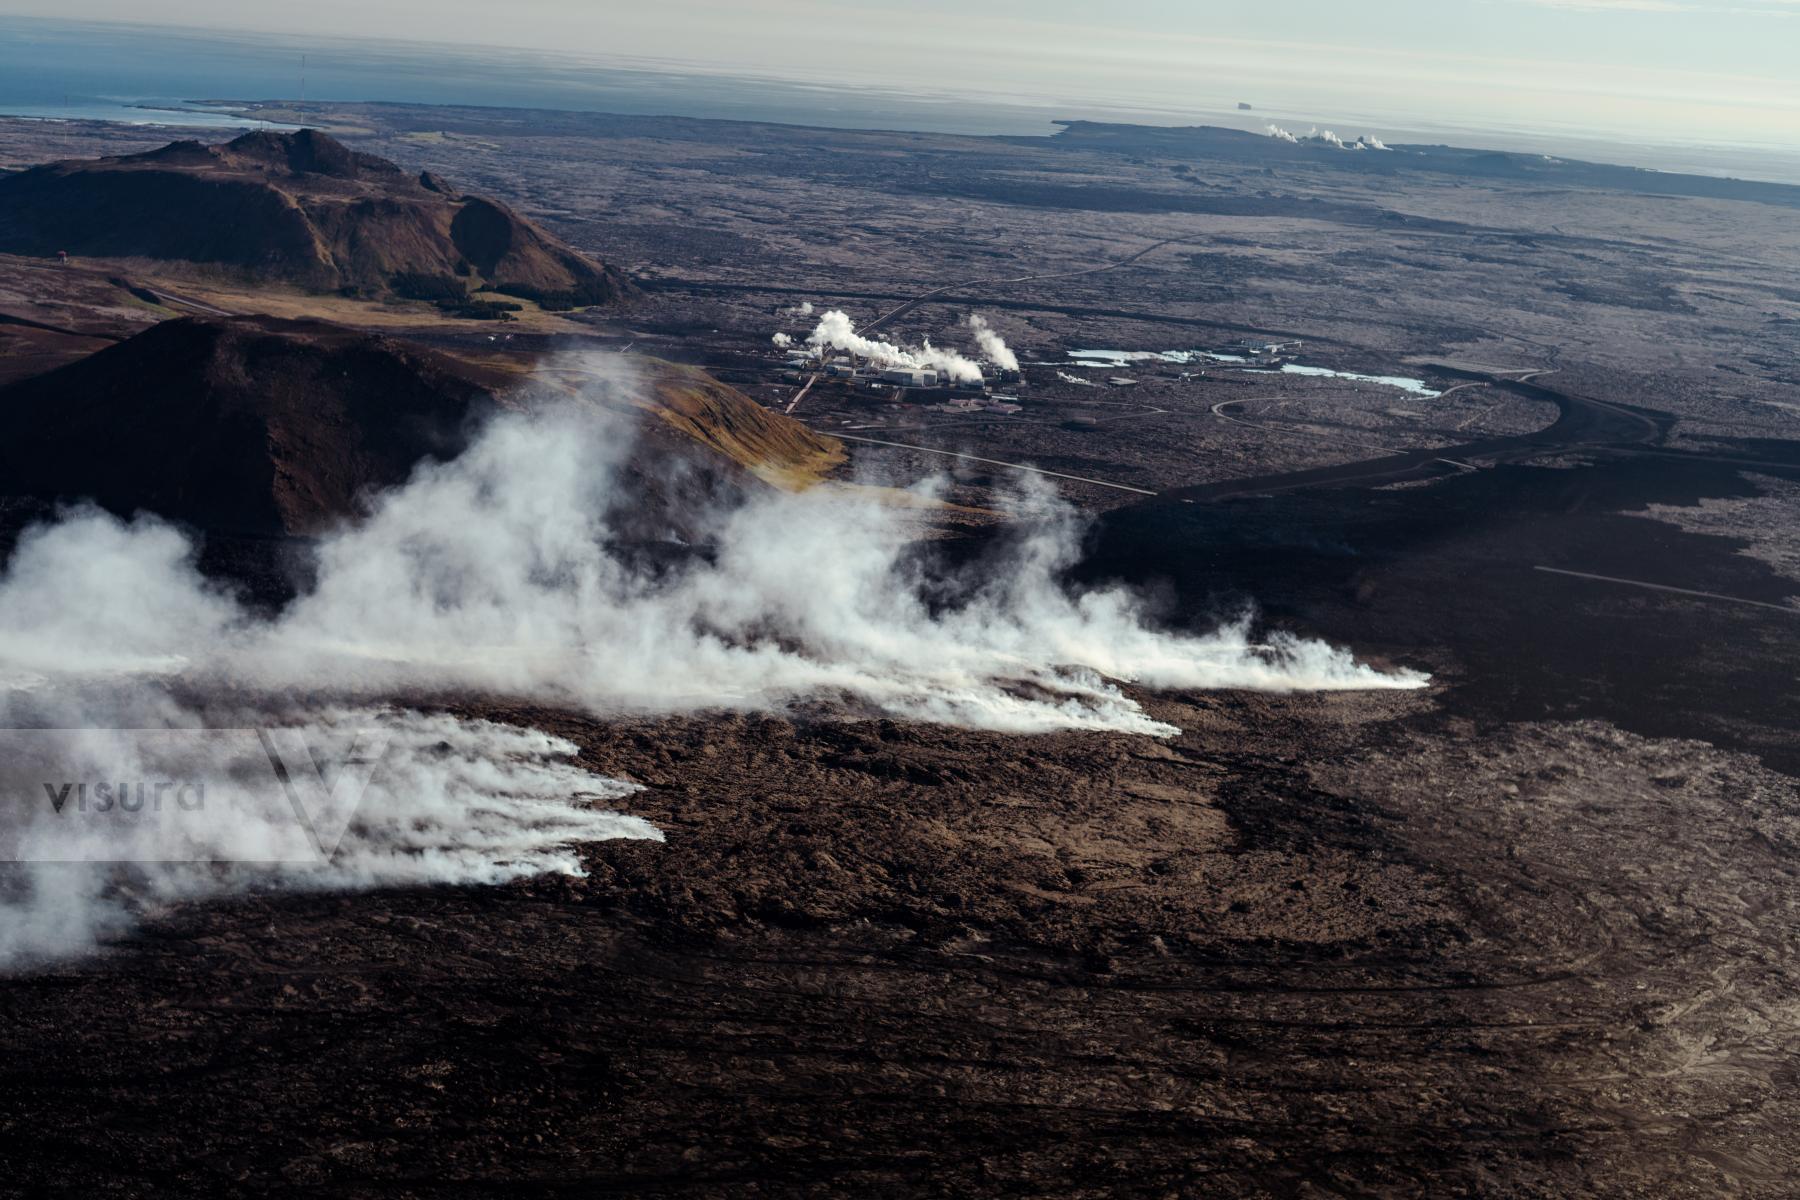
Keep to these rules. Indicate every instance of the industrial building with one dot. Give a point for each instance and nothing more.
(909, 377)
(875, 378)
(969, 405)
(1255, 348)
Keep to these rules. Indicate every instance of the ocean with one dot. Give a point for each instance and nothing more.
(143, 74)
(155, 75)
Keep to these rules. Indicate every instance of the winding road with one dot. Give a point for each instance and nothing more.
(1581, 424)
(1663, 587)
(994, 462)
(186, 302)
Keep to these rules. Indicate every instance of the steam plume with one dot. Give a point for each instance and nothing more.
(450, 801)
(836, 331)
(1326, 137)
(496, 573)
(993, 347)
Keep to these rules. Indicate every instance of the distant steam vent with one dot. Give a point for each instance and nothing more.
(1326, 138)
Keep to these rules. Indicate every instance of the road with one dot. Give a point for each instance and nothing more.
(994, 462)
(963, 424)
(801, 395)
(1581, 423)
(185, 302)
(1663, 587)
(1221, 411)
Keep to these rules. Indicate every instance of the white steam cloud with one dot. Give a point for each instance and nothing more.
(495, 573)
(836, 331)
(499, 573)
(1318, 137)
(784, 340)
(993, 346)
(442, 801)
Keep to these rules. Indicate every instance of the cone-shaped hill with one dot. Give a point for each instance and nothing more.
(262, 427)
(298, 208)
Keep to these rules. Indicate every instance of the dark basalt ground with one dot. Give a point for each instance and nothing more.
(1105, 967)
(1528, 934)
(1476, 941)
(1449, 575)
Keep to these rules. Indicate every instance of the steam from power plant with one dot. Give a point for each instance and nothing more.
(993, 346)
(784, 340)
(1316, 137)
(497, 574)
(836, 331)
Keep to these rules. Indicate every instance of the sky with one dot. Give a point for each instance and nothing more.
(1674, 71)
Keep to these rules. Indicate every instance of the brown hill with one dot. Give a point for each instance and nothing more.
(300, 208)
(265, 427)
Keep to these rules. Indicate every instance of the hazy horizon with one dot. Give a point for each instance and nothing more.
(1664, 71)
(91, 69)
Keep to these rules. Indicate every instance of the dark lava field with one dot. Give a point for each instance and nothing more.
(1531, 931)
